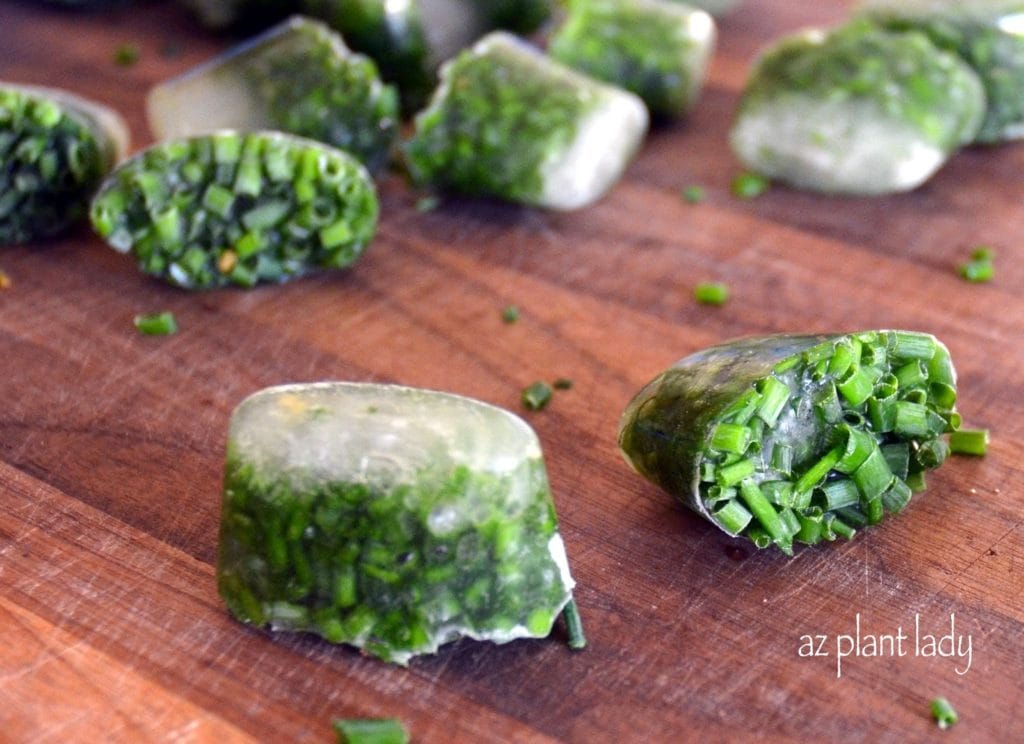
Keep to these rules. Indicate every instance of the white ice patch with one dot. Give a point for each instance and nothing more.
(556, 547)
(450, 26)
(606, 138)
(834, 146)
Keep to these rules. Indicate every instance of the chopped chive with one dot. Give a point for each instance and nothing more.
(730, 475)
(853, 515)
(911, 419)
(562, 383)
(897, 457)
(370, 731)
(743, 407)
(766, 515)
(897, 497)
(759, 537)
(980, 267)
(126, 55)
(574, 626)
(427, 203)
(775, 396)
(904, 345)
(916, 481)
(858, 384)
(782, 459)
(817, 472)
(779, 493)
(810, 531)
(693, 194)
(789, 521)
(842, 360)
(157, 324)
(732, 516)
(834, 524)
(840, 493)
(731, 438)
(932, 453)
(859, 444)
(943, 394)
(943, 713)
(510, 314)
(536, 396)
(969, 442)
(911, 374)
(873, 477)
(826, 402)
(749, 185)
(711, 293)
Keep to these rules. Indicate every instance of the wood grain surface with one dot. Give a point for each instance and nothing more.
(111, 446)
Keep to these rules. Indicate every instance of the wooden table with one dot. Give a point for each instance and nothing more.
(111, 446)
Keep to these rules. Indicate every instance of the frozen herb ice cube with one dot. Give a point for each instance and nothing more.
(510, 122)
(389, 518)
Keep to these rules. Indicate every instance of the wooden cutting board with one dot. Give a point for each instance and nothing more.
(111, 446)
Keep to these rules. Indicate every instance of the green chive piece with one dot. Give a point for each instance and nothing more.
(510, 314)
(840, 493)
(562, 383)
(857, 385)
(157, 324)
(835, 525)
(904, 345)
(574, 626)
(427, 204)
(766, 515)
(943, 713)
(731, 438)
(749, 185)
(810, 531)
(779, 493)
(859, 444)
(732, 516)
(536, 396)
(370, 731)
(782, 459)
(693, 194)
(911, 419)
(817, 472)
(873, 477)
(916, 481)
(711, 293)
(897, 457)
(775, 396)
(980, 267)
(732, 474)
(897, 497)
(969, 442)
(126, 55)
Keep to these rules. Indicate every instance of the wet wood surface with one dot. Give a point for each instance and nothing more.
(111, 446)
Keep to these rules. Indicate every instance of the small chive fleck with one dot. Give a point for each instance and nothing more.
(536, 396)
(427, 204)
(693, 194)
(981, 267)
(370, 731)
(562, 383)
(748, 185)
(510, 314)
(126, 55)
(943, 713)
(711, 293)
(574, 626)
(157, 324)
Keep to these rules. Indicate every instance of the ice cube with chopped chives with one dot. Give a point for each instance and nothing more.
(55, 148)
(655, 48)
(856, 110)
(297, 77)
(510, 122)
(390, 518)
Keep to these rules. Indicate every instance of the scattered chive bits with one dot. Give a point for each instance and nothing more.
(693, 194)
(126, 55)
(784, 439)
(427, 204)
(370, 731)
(510, 314)
(536, 396)
(749, 185)
(562, 383)
(238, 209)
(943, 713)
(969, 442)
(711, 293)
(157, 324)
(981, 267)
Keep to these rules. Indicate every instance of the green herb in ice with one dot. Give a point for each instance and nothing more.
(53, 154)
(158, 324)
(370, 731)
(711, 293)
(392, 519)
(943, 713)
(234, 209)
(796, 438)
(536, 396)
(658, 50)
